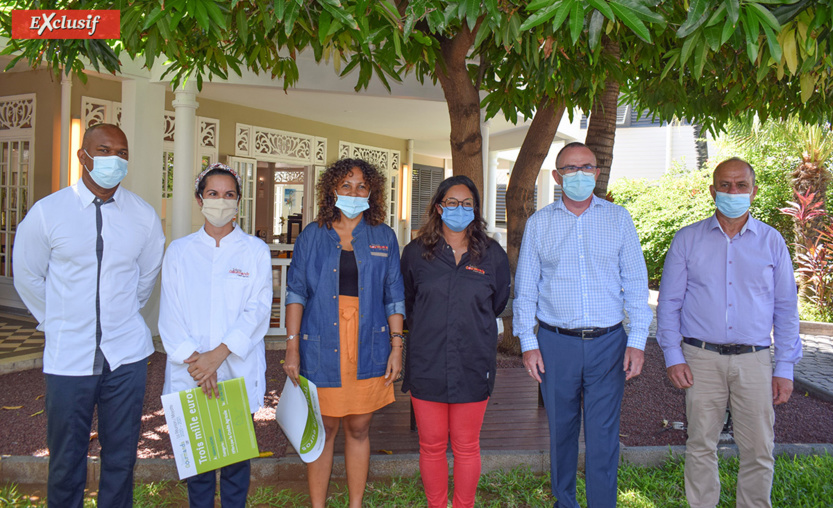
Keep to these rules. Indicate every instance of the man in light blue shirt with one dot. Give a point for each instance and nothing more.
(580, 268)
(727, 285)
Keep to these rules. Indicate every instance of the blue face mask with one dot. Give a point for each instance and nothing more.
(457, 219)
(732, 205)
(352, 206)
(579, 185)
(108, 171)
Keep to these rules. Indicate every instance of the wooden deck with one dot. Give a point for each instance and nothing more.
(513, 420)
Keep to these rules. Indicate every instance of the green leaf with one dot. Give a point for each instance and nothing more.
(242, 26)
(202, 16)
(280, 9)
(688, 47)
(602, 7)
(733, 7)
(670, 65)
(717, 16)
(153, 17)
(541, 16)
(700, 59)
(538, 4)
(751, 33)
(472, 12)
(324, 20)
(712, 35)
(595, 32)
(626, 16)
(640, 8)
(728, 30)
(772, 42)
(562, 13)
(766, 16)
(216, 15)
(576, 21)
(697, 15)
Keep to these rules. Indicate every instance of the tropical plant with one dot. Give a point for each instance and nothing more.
(814, 257)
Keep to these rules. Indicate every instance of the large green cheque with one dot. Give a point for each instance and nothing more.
(207, 434)
(299, 416)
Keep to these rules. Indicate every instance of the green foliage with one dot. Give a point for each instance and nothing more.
(659, 208)
(774, 161)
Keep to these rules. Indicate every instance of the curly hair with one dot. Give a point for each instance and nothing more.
(338, 171)
(432, 231)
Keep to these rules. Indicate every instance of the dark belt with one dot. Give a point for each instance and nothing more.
(723, 349)
(584, 333)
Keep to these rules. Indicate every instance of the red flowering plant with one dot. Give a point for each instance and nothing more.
(813, 254)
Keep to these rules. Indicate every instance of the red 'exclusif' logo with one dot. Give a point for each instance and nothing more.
(475, 269)
(66, 24)
(238, 272)
(383, 247)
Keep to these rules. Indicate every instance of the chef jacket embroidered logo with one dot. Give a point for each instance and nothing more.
(238, 272)
(475, 269)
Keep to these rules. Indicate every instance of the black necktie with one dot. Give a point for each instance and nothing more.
(99, 360)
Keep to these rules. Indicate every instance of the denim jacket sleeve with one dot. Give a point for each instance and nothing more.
(394, 288)
(296, 281)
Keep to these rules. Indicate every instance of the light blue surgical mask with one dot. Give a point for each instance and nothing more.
(108, 170)
(578, 186)
(732, 205)
(352, 206)
(458, 218)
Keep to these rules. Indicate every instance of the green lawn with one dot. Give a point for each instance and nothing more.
(805, 481)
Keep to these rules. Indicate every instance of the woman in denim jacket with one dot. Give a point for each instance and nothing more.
(344, 316)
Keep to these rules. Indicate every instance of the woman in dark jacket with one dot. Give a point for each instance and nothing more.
(344, 306)
(456, 283)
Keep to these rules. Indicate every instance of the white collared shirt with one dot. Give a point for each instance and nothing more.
(217, 295)
(55, 268)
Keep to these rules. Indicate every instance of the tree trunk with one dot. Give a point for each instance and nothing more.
(463, 102)
(601, 126)
(521, 189)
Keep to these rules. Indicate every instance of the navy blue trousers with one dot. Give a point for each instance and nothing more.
(234, 487)
(591, 369)
(70, 401)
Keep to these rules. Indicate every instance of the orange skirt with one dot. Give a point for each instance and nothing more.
(354, 396)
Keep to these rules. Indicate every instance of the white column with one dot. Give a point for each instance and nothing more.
(546, 188)
(143, 104)
(490, 189)
(185, 141)
(66, 121)
(406, 183)
(484, 153)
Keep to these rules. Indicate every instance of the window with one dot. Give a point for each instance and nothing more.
(424, 183)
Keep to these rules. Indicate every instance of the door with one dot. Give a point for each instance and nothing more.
(247, 169)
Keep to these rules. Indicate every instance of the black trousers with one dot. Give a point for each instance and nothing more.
(70, 401)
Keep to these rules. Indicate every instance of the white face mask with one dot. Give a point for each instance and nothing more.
(219, 212)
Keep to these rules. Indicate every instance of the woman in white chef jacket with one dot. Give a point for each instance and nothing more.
(215, 309)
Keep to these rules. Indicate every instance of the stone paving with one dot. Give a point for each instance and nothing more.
(816, 367)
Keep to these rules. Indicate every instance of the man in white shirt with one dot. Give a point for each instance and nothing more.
(85, 261)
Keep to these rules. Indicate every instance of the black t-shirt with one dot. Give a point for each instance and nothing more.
(451, 313)
(348, 274)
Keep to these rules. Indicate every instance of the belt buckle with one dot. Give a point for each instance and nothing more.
(587, 331)
(730, 349)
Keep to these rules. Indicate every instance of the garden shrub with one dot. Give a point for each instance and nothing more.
(680, 197)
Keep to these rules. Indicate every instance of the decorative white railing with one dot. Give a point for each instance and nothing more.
(278, 318)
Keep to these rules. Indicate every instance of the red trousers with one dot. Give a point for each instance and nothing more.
(436, 421)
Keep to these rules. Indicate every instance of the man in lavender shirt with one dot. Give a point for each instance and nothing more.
(727, 294)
